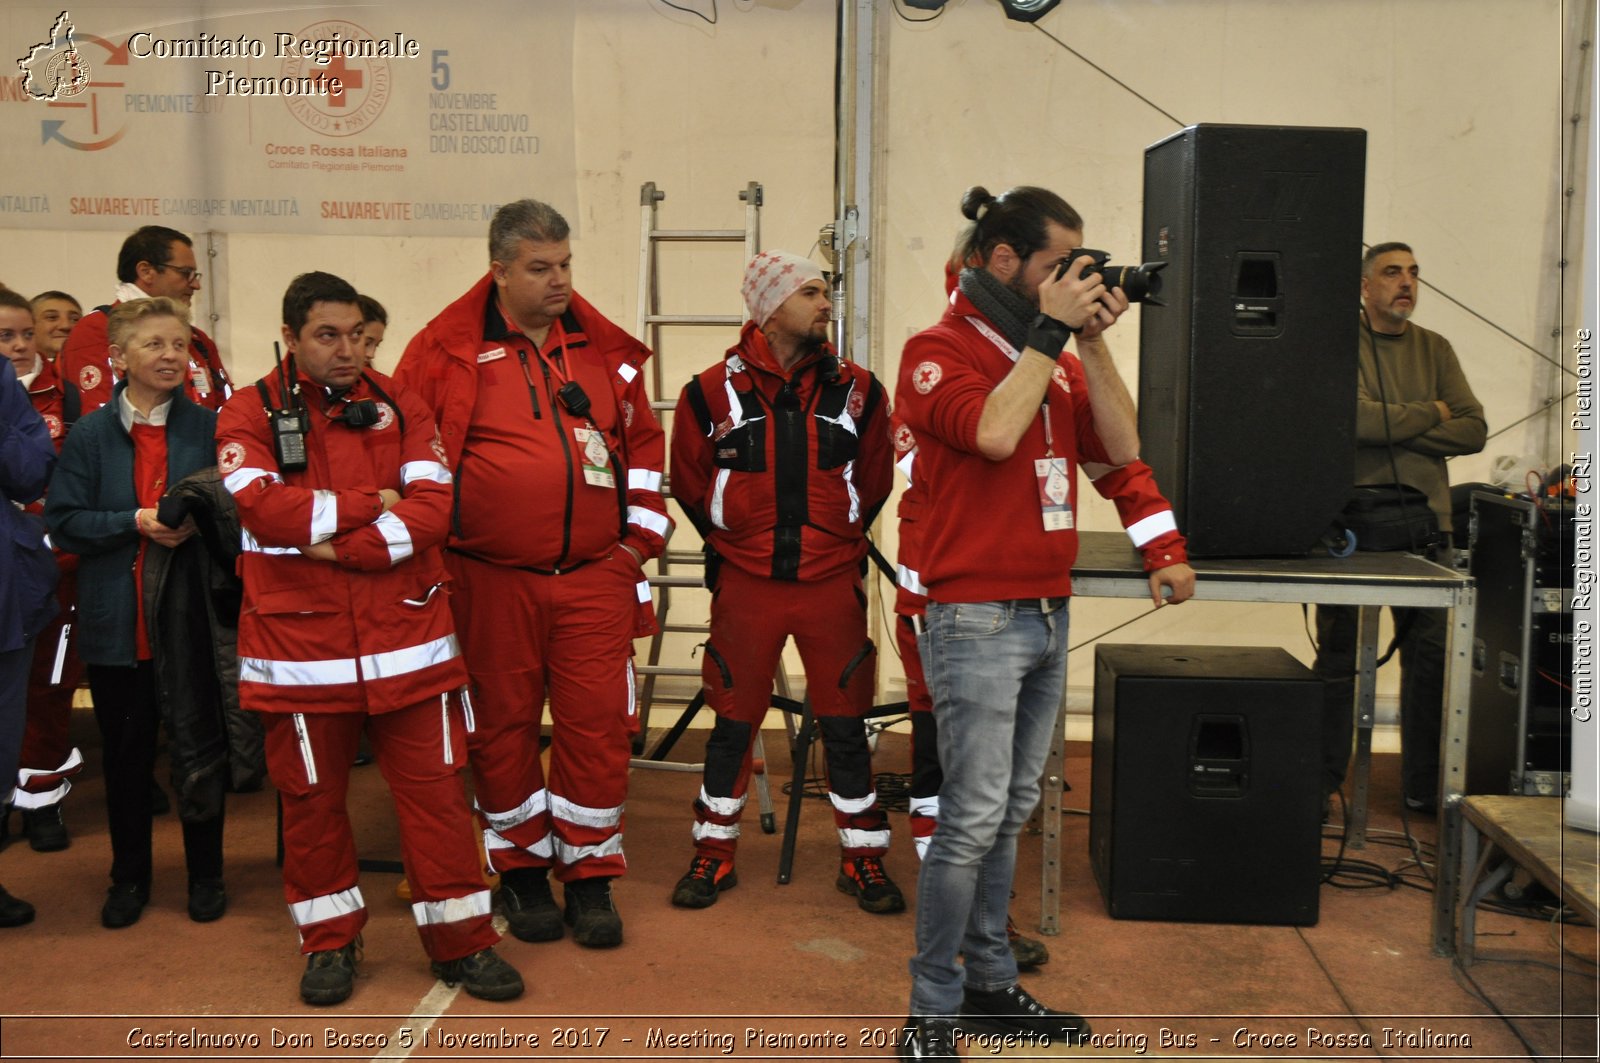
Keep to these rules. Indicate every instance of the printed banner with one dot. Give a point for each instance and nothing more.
(402, 118)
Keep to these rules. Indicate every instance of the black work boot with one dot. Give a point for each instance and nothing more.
(530, 908)
(591, 915)
(46, 830)
(483, 974)
(330, 975)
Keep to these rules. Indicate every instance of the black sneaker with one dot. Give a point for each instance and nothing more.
(591, 915)
(874, 891)
(330, 975)
(483, 974)
(1013, 1010)
(928, 1039)
(207, 900)
(529, 906)
(706, 878)
(14, 911)
(124, 905)
(46, 830)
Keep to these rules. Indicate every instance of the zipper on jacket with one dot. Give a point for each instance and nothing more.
(566, 450)
(533, 393)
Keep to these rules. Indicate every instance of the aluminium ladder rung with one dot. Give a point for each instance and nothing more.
(693, 319)
(676, 581)
(728, 235)
(665, 669)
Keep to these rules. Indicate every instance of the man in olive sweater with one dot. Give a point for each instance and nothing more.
(1414, 409)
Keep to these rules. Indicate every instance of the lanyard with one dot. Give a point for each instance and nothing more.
(561, 350)
(1012, 353)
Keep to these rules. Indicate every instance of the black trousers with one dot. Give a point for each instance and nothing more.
(1422, 660)
(129, 714)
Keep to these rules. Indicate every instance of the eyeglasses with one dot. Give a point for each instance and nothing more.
(188, 273)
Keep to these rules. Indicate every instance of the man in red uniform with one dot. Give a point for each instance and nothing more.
(154, 260)
(781, 458)
(344, 498)
(558, 459)
(49, 760)
(1002, 420)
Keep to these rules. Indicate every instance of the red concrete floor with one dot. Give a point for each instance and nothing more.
(769, 972)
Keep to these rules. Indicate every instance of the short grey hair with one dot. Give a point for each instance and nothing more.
(526, 219)
(1378, 250)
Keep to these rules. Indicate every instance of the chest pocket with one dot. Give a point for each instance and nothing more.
(837, 441)
(743, 448)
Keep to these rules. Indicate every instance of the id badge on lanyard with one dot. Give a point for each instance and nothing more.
(596, 458)
(1054, 476)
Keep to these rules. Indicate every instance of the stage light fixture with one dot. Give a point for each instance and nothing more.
(1028, 10)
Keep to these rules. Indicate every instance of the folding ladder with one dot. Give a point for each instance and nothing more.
(683, 569)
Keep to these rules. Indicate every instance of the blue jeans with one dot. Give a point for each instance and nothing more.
(996, 671)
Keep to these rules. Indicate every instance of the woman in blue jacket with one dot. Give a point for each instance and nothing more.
(117, 464)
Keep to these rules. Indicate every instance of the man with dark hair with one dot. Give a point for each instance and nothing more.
(558, 458)
(375, 321)
(1001, 420)
(781, 458)
(344, 497)
(1414, 409)
(153, 261)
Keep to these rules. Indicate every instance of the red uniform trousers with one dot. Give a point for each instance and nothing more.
(48, 759)
(926, 775)
(751, 618)
(525, 636)
(420, 750)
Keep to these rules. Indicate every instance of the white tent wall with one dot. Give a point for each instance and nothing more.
(1462, 101)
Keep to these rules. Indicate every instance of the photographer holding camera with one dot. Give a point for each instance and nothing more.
(1001, 418)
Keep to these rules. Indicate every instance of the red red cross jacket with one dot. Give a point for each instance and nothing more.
(507, 519)
(45, 393)
(782, 472)
(989, 541)
(373, 630)
(85, 364)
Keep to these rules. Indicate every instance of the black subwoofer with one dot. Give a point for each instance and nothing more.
(1205, 796)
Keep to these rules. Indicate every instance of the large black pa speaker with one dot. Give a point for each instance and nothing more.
(1247, 374)
(1205, 790)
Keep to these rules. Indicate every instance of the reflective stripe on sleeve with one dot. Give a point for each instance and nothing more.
(1152, 527)
(396, 536)
(649, 520)
(412, 471)
(644, 480)
(239, 479)
(911, 580)
(324, 515)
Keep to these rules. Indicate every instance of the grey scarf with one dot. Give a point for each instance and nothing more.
(1007, 311)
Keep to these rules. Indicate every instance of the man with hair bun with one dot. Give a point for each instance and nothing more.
(781, 459)
(1002, 419)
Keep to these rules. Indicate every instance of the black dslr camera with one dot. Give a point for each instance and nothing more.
(1141, 284)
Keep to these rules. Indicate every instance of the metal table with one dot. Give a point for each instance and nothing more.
(1108, 567)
